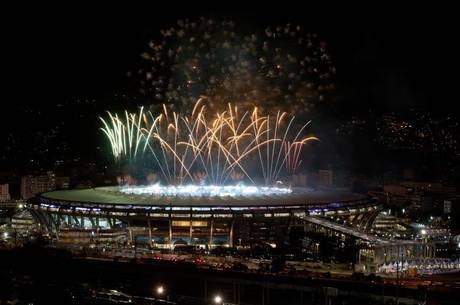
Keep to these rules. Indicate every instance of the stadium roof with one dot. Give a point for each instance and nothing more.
(112, 195)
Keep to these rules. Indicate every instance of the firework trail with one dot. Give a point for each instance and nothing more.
(124, 134)
(212, 147)
(292, 152)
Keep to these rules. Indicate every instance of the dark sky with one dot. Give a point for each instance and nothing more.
(387, 57)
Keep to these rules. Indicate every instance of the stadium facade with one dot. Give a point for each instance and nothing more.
(108, 215)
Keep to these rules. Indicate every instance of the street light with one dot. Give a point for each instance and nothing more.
(160, 290)
(5, 235)
(218, 299)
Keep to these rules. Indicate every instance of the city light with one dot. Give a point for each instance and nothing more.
(160, 290)
(5, 235)
(423, 232)
(218, 299)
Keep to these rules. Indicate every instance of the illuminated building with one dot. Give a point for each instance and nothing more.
(4, 192)
(32, 185)
(163, 220)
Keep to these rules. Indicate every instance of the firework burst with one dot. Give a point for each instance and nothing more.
(230, 145)
(280, 66)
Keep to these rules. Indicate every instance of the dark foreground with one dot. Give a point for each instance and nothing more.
(36, 276)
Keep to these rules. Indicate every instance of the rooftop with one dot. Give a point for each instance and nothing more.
(113, 195)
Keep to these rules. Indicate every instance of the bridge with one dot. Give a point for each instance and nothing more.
(322, 222)
(382, 249)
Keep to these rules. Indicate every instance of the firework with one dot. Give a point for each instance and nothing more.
(216, 148)
(280, 66)
(124, 134)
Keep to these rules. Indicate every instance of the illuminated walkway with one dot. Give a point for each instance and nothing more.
(354, 232)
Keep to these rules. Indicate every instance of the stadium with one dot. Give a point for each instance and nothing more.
(112, 214)
(202, 177)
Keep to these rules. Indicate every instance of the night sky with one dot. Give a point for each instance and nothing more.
(388, 57)
(404, 54)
